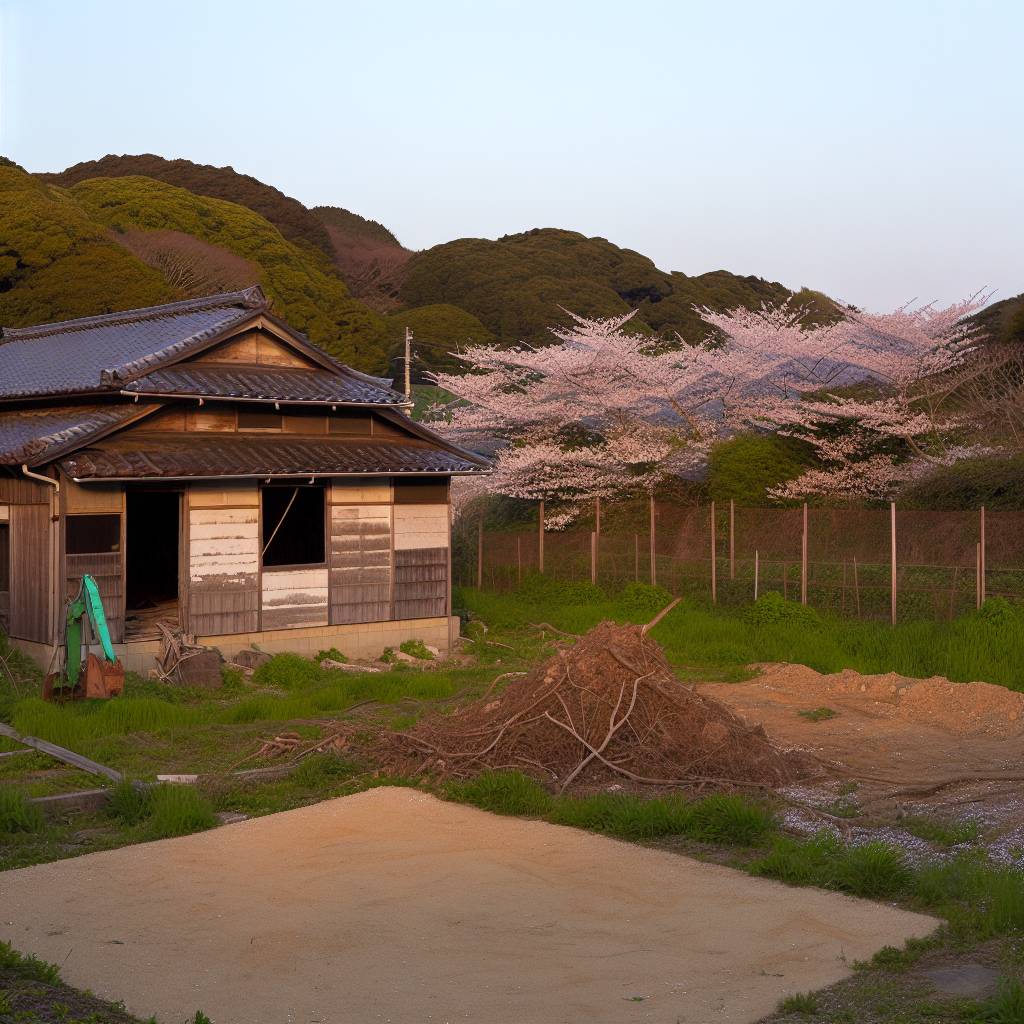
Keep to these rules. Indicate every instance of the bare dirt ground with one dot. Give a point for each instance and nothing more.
(394, 906)
(906, 746)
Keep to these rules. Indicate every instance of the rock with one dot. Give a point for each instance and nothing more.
(344, 666)
(250, 658)
(435, 651)
(402, 656)
(202, 670)
(971, 979)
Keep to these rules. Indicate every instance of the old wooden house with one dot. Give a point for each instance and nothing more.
(209, 466)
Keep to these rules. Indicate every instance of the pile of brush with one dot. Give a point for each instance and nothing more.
(607, 708)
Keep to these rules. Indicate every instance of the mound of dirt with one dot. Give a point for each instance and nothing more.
(606, 708)
(962, 709)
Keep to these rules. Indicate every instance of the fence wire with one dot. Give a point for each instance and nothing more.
(836, 560)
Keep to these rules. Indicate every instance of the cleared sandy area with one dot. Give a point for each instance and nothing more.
(394, 906)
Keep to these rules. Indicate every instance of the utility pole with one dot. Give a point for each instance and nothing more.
(408, 362)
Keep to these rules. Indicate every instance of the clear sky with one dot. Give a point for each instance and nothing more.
(874, 150)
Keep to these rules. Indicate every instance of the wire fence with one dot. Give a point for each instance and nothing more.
(887, 563)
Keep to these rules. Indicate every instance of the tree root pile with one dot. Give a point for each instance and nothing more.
(606, 709)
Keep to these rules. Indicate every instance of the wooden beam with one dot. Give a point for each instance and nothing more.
(61, 754)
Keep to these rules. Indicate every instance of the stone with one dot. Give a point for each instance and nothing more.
(202, 670)
(972, 980)
(435, 651)
(344, 666)
(250, 658)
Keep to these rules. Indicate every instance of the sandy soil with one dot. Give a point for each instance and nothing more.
(394, 906)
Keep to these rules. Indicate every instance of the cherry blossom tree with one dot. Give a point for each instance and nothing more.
(605, 411)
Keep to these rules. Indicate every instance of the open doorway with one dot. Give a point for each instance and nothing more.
(153, 541)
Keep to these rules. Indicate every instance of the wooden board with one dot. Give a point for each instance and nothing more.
(294, 597)
(367, 490)
(30, 573)
(95, 498)
(223, 570)
(19, 491)
(61, 753)
(360, 563)
(421, 582)
(421, 526)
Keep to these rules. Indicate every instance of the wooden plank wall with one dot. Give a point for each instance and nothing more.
(106, 568)
(223, 560)
(421, 561)
(19, 491)
(360, 563)
(5, 567)
(294, 597)
(30, 572)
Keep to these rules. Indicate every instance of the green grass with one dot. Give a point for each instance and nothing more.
(822, 714)
(799, 1002)
(16, 813)
(716, 643)
(1005, 1007)
(29, 967)
(944, 833)
(177, 811)
(502, 793)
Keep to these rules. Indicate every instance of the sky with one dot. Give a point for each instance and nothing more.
(872, 150)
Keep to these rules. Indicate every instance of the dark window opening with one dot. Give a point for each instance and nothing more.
(350, 425)
(5, 556)
(258, 418)
(92, 535)
(152, 557)
(293, 525)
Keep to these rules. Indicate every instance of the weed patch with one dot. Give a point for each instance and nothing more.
(16, 813)
(177, 811)
(502, 793)
(818, 714)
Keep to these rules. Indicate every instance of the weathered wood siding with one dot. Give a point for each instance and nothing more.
(106, 569)
(5, 567)
(30, 572)
(360, 563)
(95, 498)
(223, 565)
(294, 597)
(421, 561)
(20, 491)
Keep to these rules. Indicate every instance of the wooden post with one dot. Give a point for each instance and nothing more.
(757, 570)
(803, 559)
(785, 581)
(636, 557)
(540, 540)
(654, 560)
(856, 587)
(892, 560)
(843, 591)
(480, 555)
(981, 548)
(714, 558)
(977, 575)
(732, 539)
(596, 542)
(593, 556)
(519, 559)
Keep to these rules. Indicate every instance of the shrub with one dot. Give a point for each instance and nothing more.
(332, 653)
(288, 671)
(416, 649)
(16, 813)
(747, 466)
(772, 608)
(232, 679)
(502, 793)
(541, 589)
(643, 599)
(178, 811)
(129, 803)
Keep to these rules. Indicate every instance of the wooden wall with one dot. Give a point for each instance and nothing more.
(5, 566)
(223, 560)
(107, 569)
(360, 563)
(421, 560)
(294, 597)
(30, 572)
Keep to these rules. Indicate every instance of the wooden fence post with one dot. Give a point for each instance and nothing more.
(480, 555)
(757, 569)
(714, 558)
(654, 558)
(593, 556)
(977, 575)
(856, 587)
(636, 557)
(596, 542)
(892, 559)
(519, 559)
(981, 545)
(803, 559)
(540, 540)
(732, 539)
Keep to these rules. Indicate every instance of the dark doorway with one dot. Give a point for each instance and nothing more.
(152, 557)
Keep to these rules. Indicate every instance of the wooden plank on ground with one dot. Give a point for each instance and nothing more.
(61, 753)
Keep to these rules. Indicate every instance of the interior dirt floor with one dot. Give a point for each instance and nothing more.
(391, 905)
(898, 736)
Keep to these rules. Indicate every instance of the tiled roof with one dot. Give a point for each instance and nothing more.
(213, 457)
(283, 385)
(35, 436)
(100, 352)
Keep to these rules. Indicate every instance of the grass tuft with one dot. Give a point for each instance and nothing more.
(821, 714)
(799, 1002)
(178, 811)
(944, 833)
(16, 813)
(502, 793)
(27, 966)
(129, 803)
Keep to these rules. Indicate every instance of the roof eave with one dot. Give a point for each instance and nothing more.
(278, 476)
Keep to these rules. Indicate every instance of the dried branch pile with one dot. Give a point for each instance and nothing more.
(607, 708)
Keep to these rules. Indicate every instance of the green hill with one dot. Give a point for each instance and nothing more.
(288, 215)
(1004, 320)
(516, 284)
(116, 243)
